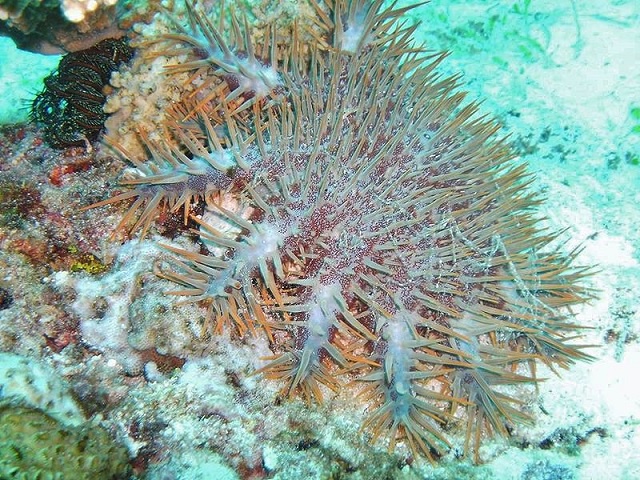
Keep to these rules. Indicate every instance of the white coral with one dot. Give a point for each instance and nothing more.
(33, 384)
(77, 10)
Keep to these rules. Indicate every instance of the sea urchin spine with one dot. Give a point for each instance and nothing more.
(250, 74)
(383, 233)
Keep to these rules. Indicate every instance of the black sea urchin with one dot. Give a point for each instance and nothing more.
(70, 108)
(369, 223)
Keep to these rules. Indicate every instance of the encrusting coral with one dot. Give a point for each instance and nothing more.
(360, 215)
(35, 445)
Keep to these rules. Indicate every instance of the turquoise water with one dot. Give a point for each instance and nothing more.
(22, 74)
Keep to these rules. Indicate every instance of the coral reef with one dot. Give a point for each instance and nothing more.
(22, 21)
(174, 377)
(34, 445)
(31, 384)
(360, 216)
(43, 432)
(57, 26)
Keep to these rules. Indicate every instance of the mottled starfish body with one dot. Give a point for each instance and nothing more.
(360, 215)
